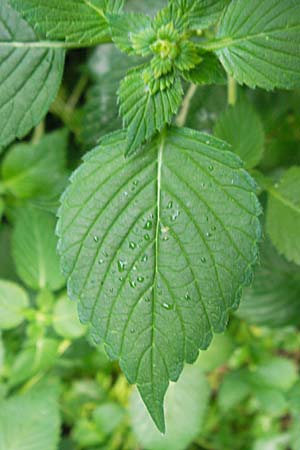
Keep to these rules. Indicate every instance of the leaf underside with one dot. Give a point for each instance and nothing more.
(29, 76)
(260, 41)
(156, 249)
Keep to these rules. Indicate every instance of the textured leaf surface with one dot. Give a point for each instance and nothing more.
(13, 301)
(123, 25)
(274, 298)
(185, 406)
(258, 42)
(80, 22)
(34, 249)
(107, 67)
(30, 74)
(145, 113)
(210, 71)
(156, 249)
(30, 421)
(199, 14)
(283, 215)
(31, 170)
(241, 126)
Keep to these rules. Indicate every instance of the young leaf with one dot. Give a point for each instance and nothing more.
(33, 170)
(199, 14)
(241, 126)
(79, 22)
(185, 405)
(31, 421)
(283, 215)
(13, 302)
(258, 43)
(209, 71)
(124, 25)
(274, 298)
(144, 113)
(34, 249)
(30, 75)
(157, 249)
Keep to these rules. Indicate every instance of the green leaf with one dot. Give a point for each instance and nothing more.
(144, 113)
(185, 405)
(217, 354)
(157, 249)
(65, 319)
(13, 302)
(30, 75)
(234, 390)
(283, 215)
(30, 421)
(108, 417)
(32, 170)
(34, 250)
(241, 127)
(274, 298)
(199, 14)
(80, 22)
(209, 71)
(107, 67)
(258, 43)
(36, 357)
(276, 372)
(124, 25)
(149, 8)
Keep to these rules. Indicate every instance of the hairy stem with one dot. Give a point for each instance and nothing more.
(181, 118)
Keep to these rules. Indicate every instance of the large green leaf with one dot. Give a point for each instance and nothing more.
(80, 22)
(186, 403)
(258, 42)
(144, 113)
(274, 298)
(241, 126)
(30, 421)
(30, 75)
(283, 215)
(34, 249)
(33, 170)
(13, 302)
(156, 248)
(199, 14)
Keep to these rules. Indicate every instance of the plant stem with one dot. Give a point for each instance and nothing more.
(232, 91)
(38, 133)
(77, 92)
(181, 118)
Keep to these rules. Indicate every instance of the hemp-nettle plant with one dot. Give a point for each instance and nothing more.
(159, 226)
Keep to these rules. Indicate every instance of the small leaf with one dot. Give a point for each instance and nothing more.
(209, 71)
(283, 215)
(65, 319)
(31, 421)
(30, 75)
(108, 417)
(157, 250)
(241, 127)
(274, 298)
(34, 250)
(80, 22)
(185, 405)
(33, 170)
(258, 43)
(198, 14)
(124, 25)
(13, 302)
(144, 113)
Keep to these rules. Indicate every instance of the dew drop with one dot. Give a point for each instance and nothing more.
(187, 296)
(134, 268)
(203, 259)
(132, 283)
(132, 330)
(148, 225)
(132, 245)
(136, 182)
(140, 279)
(170, 205)
(147, 237)
(144, 258)
(125, 193)
(167, 306)
(121, 265)
(121, 278)
(210, 168)
(101, 261)
(147, 299)
(208, 234)
(175, 216)
(96, 238)
(105, 254)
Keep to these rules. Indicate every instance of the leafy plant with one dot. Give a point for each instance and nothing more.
(160, 226)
